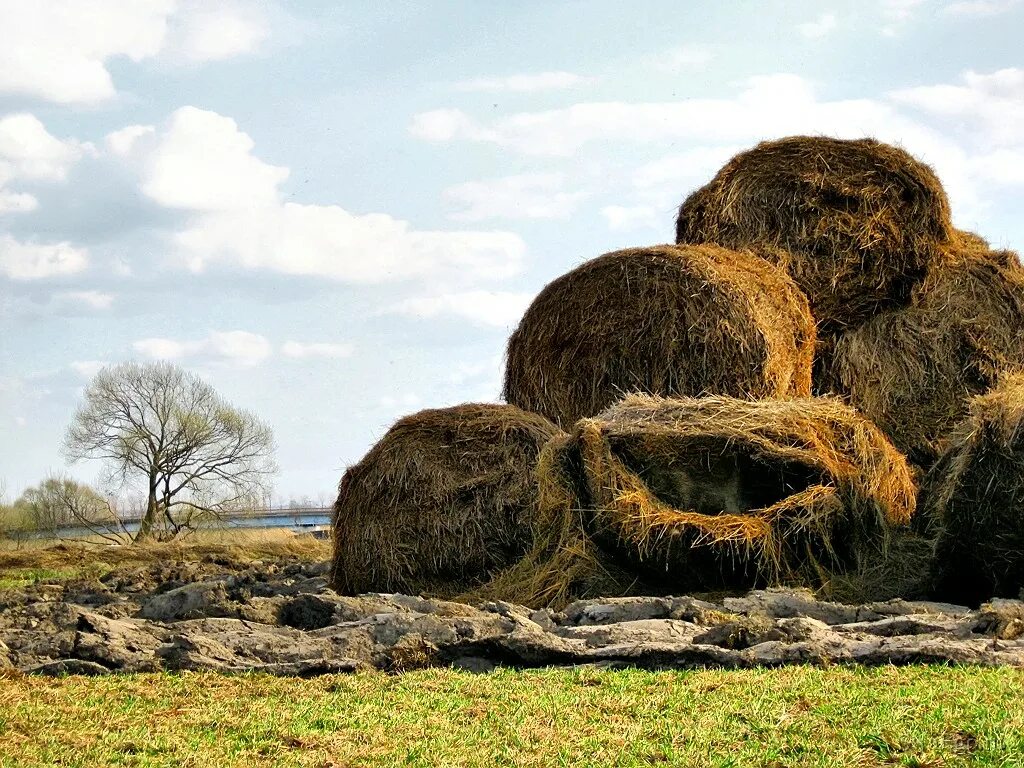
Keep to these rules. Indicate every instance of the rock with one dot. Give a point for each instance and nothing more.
(192, 601)
(281, 619)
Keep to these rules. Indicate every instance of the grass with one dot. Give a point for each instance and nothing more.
(15, 578)
(85, 554)
(798, 716)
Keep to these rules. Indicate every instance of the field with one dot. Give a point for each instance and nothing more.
(923, 716)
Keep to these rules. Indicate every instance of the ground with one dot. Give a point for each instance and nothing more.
(605, 712)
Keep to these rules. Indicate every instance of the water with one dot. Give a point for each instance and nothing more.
(294, 521)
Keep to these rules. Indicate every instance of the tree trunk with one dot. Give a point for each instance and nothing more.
(148, 519)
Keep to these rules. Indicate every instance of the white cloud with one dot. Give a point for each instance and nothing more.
(683, 58)
(524, 196)
(123, 141)
(92, 300)
(525, 83)
(493, 308)
(623, 218)
(239, 348)
(317, 349)
(765, 107)
(405, 402)
(203, 163)
(980, 7)
(992, 103)
(58, 50)
(821, 27)
(204, 31)
(36, 261)
(28, 152)
(21, 421)
(88, 368)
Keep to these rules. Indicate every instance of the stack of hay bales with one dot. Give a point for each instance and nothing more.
(855, 223)
(914, 317)
(712, 493)
(446, 498)
(738, 408)
(664, 320)
(914, 371)
(975, 496)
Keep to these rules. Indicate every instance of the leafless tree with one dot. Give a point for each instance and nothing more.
(166, 430)
(60, 502)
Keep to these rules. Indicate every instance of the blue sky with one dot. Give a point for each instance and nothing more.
(335, 213)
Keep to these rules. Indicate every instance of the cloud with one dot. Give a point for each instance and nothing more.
(623, 218)
(319, 349)
(492, 308)
(205, 31)
(37, 261)
(28, 152)
(58, 50)
(821, 27)
(202, 163)
(991, 103)
(524, 196)
(953, 127)
(89, 300)
(239, 348)
(88, 368)
(525, 83)
(681, 59)
(980, 8)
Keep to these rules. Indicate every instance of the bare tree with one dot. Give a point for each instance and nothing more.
(168, 431)
(60, 502)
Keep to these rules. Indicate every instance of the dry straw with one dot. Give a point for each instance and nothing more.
(708, 494)
(975, 496)
(663, 320)
(913, 371)
(855, 222)
(443, 499)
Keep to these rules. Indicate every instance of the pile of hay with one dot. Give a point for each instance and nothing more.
(708, 494)
(855, 223)
(663, 320)
(446, 497)
(913, 371)
(975, 494)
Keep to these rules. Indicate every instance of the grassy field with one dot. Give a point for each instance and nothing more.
(920, 716)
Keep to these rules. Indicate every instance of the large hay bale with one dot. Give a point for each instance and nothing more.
(913, 371)
(709, 494)
(663, 320)
(854, 222)
(975, 495)
(444, 498)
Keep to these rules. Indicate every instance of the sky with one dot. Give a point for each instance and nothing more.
(335, 213)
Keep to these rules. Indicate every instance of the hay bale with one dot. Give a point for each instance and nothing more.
(710, 494)
(855, 223)
(664, 320)
(913, 371)
(975, 495)
(444, 498)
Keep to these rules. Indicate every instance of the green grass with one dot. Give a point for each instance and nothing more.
(798, 716)
(15, 578)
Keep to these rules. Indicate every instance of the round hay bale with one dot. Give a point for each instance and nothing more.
(663, 320)
(913, 371)
(854, 222)
(444, 498)
(709, 494)
(975, 495)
